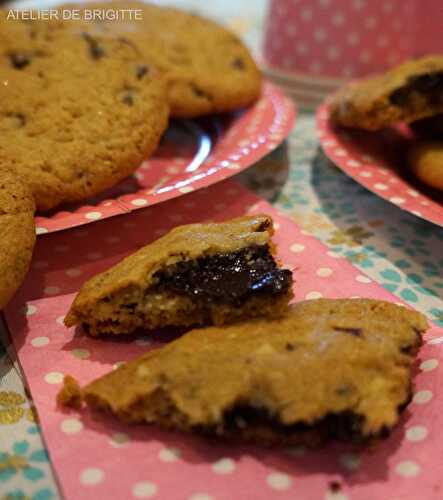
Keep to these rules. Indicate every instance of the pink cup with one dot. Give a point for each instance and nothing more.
(314, 45)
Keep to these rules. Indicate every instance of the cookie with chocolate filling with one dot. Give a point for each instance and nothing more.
(329, 369)
(426, 162)
(408, 92)
(195, 274)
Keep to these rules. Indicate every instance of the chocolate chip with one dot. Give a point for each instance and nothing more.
(238, 63)
(127, 96)
(141, 71)
(344, 390)
(95, 49)
(343, 426)
(19, 60)
(128, 99)
(199, 92)
(289, 346)
(353, 331)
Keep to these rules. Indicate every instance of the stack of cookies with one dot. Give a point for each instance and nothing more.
(83, 103)
(411, 93)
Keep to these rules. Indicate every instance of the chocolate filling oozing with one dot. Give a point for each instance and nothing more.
(429, 84)
(253, 423)
(229, 278)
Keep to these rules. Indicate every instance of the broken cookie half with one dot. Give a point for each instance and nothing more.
(329, 369)
(196, 274)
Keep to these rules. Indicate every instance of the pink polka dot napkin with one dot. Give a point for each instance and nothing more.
(95, 456)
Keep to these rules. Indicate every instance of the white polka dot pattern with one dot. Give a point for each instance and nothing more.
(408, 468)
(144, 489)
(297, 248)
(416, 433)
(71, 426)
(358, 45)
(429, 364)
(169, 454)
(91, 476)
(224, 466)
(39, 341)
(93, 215)
(279, 481)
(54, 378)
(422, 397)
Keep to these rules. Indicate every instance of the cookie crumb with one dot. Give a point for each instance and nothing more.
(70, 394)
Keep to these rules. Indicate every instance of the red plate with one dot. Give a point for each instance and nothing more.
(376, 160)
(192, 155)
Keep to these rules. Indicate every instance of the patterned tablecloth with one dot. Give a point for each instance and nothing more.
(400, 251)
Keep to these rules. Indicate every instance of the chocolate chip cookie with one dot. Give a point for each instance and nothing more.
(406, 93)
(426, 161)
(78, 112)
(17, 230)
(195, 274)
(329, 369)
(207, 68)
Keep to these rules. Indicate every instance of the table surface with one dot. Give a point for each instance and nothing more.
(401, 252)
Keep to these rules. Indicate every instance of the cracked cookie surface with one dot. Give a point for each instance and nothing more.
(78, 112)
(329, 369)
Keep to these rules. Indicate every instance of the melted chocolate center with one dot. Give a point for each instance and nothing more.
(429, 84)
(343, 426)
(229, 278)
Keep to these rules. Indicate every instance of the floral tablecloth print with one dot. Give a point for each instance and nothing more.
(398, 250)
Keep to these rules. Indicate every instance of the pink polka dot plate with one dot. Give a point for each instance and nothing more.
(95, 456)
(192, 155)
(376, 160)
